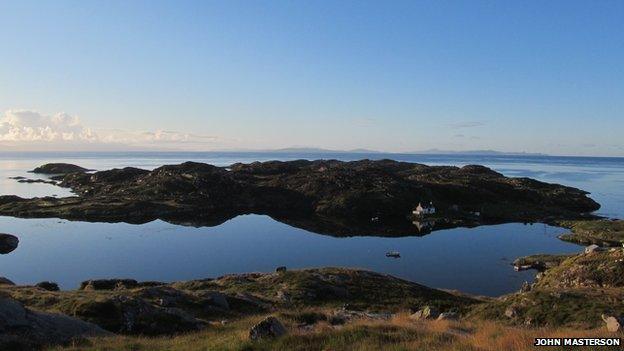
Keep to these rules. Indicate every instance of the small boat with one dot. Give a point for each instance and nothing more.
(393, 254)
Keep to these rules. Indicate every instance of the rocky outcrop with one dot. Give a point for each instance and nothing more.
(575, 292)
(427, 312)
(268, 328)
(115, 284)
(8, 243)
(329, 196)
(24, 329)
(192, 305)
(58, 168)
(49, 286)
(129, 315)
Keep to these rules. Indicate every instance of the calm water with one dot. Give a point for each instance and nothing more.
(473, 260)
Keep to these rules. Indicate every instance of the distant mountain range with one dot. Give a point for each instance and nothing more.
(422, 152)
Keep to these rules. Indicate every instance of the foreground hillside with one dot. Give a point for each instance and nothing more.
(314, 309)
(400, 333)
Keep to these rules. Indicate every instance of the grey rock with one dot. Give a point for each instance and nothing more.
(268, 328)
(592, 248)
(511, 312)
(217, 299)
(23, 328)
(452, 316)
(427, 312)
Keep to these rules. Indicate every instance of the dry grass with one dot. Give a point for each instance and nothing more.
(399, 333)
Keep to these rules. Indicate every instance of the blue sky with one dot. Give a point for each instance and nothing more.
(528, 76)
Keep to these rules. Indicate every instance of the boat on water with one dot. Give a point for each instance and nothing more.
(393, 254)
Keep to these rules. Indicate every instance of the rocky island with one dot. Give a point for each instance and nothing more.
(325, 196)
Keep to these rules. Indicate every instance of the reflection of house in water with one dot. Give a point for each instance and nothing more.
(424, 226)
(423, 210)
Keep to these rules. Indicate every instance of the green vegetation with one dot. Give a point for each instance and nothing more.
(600, 232)
(540, 261)
(574, 293)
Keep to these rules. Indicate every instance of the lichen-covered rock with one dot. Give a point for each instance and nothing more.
(268, 328)
(427, 312)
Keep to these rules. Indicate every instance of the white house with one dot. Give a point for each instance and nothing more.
(421, 210)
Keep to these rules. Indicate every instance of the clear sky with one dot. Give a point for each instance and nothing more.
(533, 76)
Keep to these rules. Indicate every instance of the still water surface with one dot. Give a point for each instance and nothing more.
(476, 260)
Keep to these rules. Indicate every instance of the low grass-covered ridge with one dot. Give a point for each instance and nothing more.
(602, 232)
(398, 333)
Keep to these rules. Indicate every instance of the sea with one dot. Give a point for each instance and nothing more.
(472, 260)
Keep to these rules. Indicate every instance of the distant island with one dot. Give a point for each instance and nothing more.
(325, 196)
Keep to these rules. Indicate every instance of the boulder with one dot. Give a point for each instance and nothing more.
(49, 286)
(24, 329)
(511, 312)
(448, 316)
(268, 328)
(427, 312)
(526, 287)
(613, 323)
(8, 243)
(592, 248)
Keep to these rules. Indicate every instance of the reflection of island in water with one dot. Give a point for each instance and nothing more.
(381, 198)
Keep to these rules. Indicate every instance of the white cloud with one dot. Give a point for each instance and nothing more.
(34, 129)
(24, 126)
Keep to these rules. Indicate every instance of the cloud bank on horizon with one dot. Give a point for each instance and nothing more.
(31, 130)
